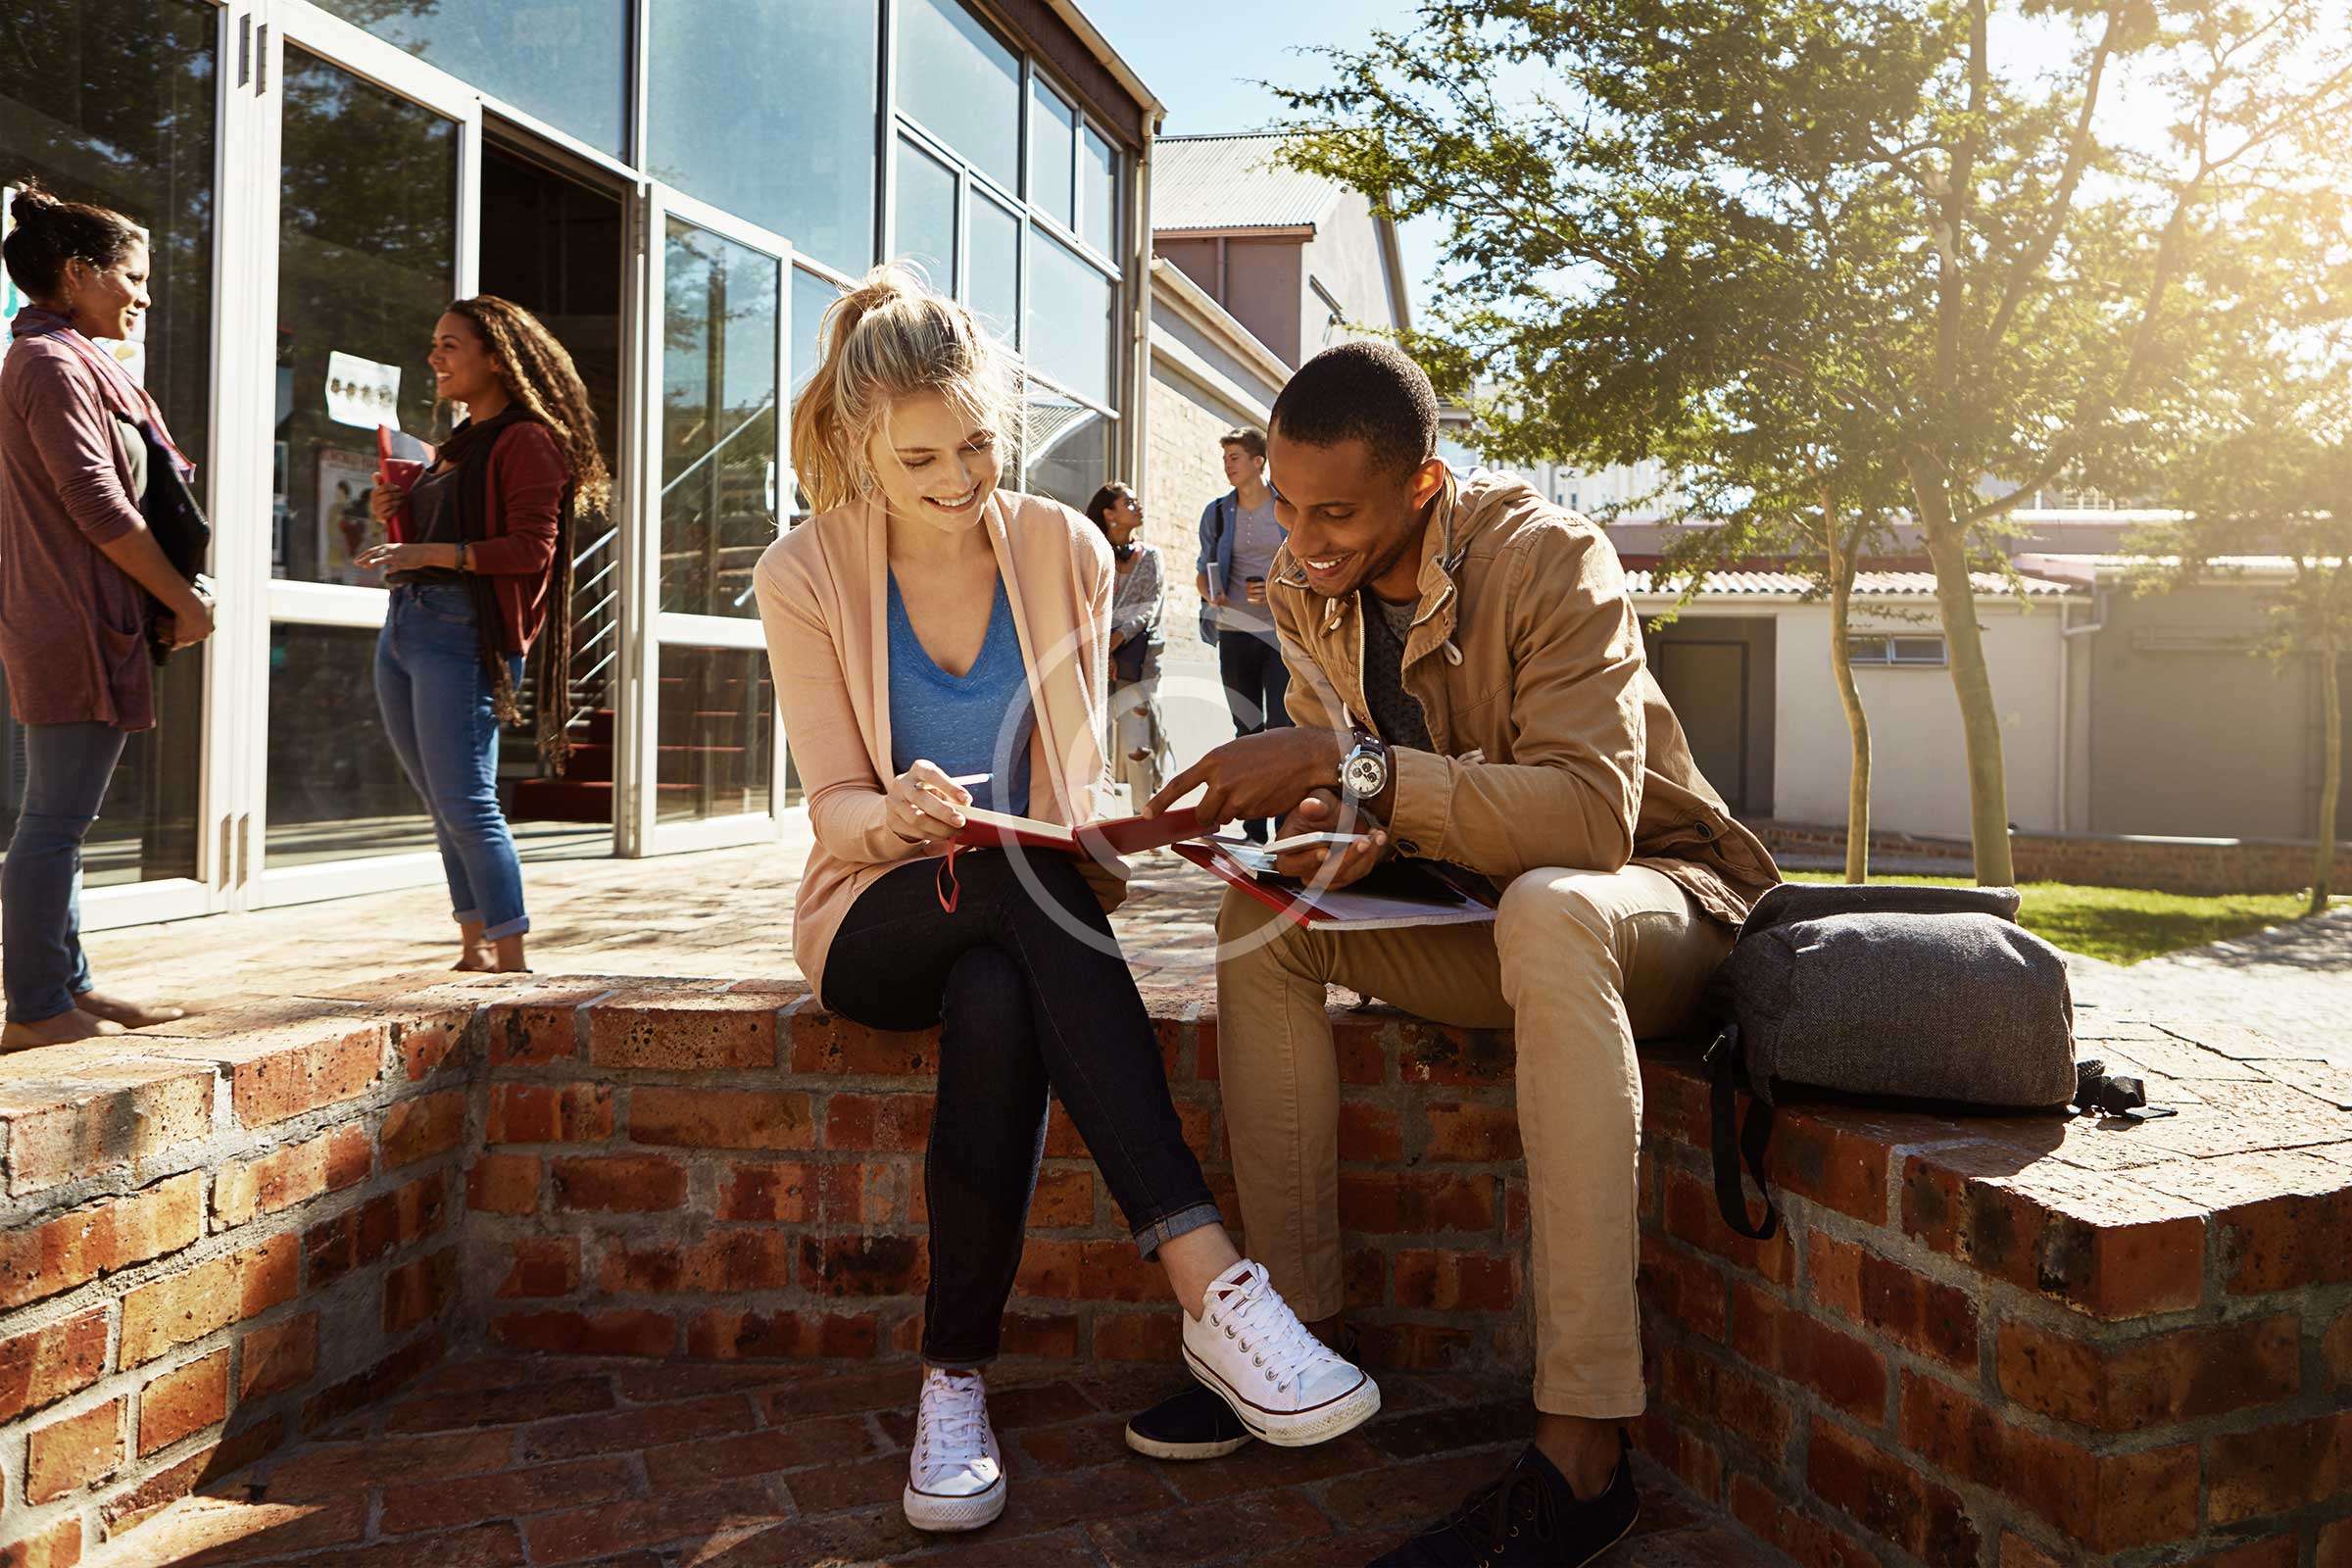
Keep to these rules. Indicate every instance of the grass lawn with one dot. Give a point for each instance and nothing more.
(2124, 925)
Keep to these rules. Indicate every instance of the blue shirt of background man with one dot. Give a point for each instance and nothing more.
(965, 723)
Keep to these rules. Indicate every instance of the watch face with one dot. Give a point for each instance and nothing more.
(1362, 775)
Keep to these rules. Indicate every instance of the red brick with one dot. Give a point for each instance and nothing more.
(57, 1546)
(864, 1265)
(273, 1082)
(42, 1366)
(1415, 1346)
(720, 1118)
(2335, 1544)
(1692, 1458)
(332, 1403)
(541, 1265)
(1692, 1218)
(2106, 1502)
(550, 1114)
(186, 1400)
(533, 1035)
(2279, 1551)
(1888, 1497)
(2019, 1552)
(890, 1121)
(2096, 1242)
(871, 1192)
(726, 1336)
(2185, 1375)
(620, 1183)
(1725, 1396)
(75, 1110)
(279, 1180)
(1089, 1271)
(280, 1356)
(418, 1129)
(1063, 1197)
(350, 1156)
(2335, 1349)
(1136, 1337)
(70, 1454)
(449, 1503)
(1364, 1277)
(1839, 1169)
(2275, 1469)
(614, 1332)
(186, 1306)
(386, 1222)
(1470, 1134)
(827, 1042)
(783, 1193)
(1370, 1133)
(425, 1047)
(216, 1534)
(1915, 1312)
(1416, 1203)
(43, 1258)
(1362, 1047)
(2284, 1243)
(727, 1260)
(1436, 1054)
(416, 1290)
(1454, 1282)
(1808, 1541)
(1674, 1104)
(684, 1033)
(1688, 1289)
(503, 1184)
(1051, 1335)
(1845, 1372)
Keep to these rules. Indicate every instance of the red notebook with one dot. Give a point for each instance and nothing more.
(1391, 895)
(1125, 835)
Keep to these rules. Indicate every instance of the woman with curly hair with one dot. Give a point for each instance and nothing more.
(480, 569)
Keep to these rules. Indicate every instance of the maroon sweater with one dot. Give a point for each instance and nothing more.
(527, 479)
(72, 625)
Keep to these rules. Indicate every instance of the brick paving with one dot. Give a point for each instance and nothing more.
(511, 1460)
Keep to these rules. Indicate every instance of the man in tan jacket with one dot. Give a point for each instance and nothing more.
(1467, 685)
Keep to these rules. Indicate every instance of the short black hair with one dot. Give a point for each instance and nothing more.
(1367, 391)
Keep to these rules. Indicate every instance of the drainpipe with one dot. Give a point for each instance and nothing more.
(2066, 684)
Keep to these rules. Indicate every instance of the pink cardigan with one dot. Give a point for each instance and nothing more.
(822, 596)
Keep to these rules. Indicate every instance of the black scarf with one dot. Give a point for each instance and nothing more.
(467, 452)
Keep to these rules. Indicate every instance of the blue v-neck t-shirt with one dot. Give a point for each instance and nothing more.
(965, 723)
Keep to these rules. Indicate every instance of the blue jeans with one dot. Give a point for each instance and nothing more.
(67, 767)
(436, 700)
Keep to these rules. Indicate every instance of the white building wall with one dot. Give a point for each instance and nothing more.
(1919, 771)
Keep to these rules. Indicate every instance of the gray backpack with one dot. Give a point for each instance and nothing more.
(1926, 994)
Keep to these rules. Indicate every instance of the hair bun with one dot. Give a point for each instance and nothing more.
(32, 197)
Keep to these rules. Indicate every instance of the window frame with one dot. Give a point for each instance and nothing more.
(1886, 657)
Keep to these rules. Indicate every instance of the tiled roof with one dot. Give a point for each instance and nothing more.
(1867, 586)
(1233, 182)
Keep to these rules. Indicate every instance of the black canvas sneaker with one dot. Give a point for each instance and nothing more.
(1530, 1518)
(1193, 1425)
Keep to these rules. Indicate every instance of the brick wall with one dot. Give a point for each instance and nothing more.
(2198, 867)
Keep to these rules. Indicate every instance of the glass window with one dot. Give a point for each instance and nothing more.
(367, 257)
(715, 727)
(960, 84)
(1068, 452)
(767, 111)
(926, 215)
(142, 143)
(1099, 188)
(1069, 318)
(335, 788)
(719, 419)
(1052, 129)
(992, 264)
(564, 61)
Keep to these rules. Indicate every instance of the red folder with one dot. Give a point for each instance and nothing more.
(399, 461)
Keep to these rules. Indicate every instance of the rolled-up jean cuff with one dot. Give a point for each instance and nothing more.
(957, 1364)
(1153, 1237)
(466, 917)
(1594, 1404)
(507, 928)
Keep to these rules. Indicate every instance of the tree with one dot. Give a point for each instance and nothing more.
(1667, 225)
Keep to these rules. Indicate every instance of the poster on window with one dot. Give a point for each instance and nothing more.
(361, 392)
(345, 525)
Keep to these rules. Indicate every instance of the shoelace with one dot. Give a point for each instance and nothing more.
(1490, 1514)
(1271, 1333)
(956, 1417)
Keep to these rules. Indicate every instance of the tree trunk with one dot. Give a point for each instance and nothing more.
(1964, 644)
(1844, 563)
(2332, 765)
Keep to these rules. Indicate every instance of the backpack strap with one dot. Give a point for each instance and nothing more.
(1733, 1146)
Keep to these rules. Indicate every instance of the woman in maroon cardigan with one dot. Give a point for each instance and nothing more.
(482, 568)
(78, 568)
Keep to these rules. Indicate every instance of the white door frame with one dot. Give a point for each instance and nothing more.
(649, 626)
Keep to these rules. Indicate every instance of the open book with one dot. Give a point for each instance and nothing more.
(1393, 893)
(1125, 835)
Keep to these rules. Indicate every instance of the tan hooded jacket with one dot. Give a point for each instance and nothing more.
(1554, 744)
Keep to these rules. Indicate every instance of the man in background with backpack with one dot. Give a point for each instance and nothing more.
(1239, 535)
(1468, 685)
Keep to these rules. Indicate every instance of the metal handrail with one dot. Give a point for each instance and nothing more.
(766, 405)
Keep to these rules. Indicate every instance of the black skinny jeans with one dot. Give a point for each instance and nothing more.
(1026, 1007)
(1256, 681)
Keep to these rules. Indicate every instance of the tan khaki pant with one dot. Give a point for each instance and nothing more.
(1579, 962)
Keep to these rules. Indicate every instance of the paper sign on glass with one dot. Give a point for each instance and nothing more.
(361, 392)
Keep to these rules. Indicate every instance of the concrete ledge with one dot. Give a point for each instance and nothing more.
(1995, 1341)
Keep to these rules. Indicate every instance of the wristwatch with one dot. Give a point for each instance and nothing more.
(1364, 771)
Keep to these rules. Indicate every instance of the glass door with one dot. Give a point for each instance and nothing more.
(706, 747)
(374, 162)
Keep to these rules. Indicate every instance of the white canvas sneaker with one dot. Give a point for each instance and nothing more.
(956, 1474)
(1286, 1386)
